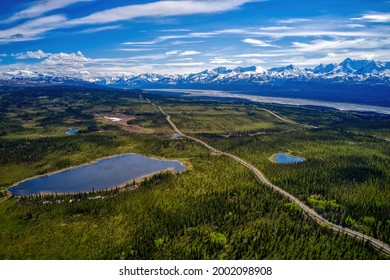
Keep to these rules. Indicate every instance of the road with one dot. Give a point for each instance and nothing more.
(262, 179)
(284, 119)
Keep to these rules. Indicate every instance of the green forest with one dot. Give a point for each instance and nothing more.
(214, 210)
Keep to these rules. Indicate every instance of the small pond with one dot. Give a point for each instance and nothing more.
(285, 158)
(72, 131)
(103, 174)
(175, 136)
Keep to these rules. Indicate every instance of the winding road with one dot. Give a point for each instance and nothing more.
(262, 179)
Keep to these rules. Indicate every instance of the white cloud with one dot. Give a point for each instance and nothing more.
(143, 43)
(34, 29)
(254, 61)
(222, 60)
(255, 42)
(369, 56)
(355, 25)
(31, 30)
(275, 28)
(320, 29)
(160, 9)
(183, 64)
(182, 59)
(374, 17)
(251, 55)
(99, 29)
(322, 45)
(137, 58)
(3, 55)
(185, 42)
(135, 49)
(165, 38)
(172, 52)
(175, 30)
(185, 53)
(64, 59)
(304, 61)
(39, 54)
(271, 32)
(293, 20)
(39, 8)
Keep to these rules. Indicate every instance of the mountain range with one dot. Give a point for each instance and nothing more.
(351, 81)
(349, 71)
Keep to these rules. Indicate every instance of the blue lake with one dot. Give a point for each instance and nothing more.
(175, 136)
(103, 174)
(72, 131)
(284, 158)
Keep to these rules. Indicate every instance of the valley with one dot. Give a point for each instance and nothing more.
(214, 210)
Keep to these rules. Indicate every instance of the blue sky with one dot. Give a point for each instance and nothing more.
(89, 38)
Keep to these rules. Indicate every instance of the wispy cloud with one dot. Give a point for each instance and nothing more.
(273, 32)
(184, 35)
(181, 42)
(253, 61)
(331, 58)
(256, 42)
(374, 17)
(135, 49)
(183, 64)
(254, 55)
(185, 53)
(293, 20)
(39, 8)
(160, 9)
(99, 29)
(222, 60)
(143, 43)
(276, 28)
(26, 31)
(355, 25)
(172, 52)
(328, 45)
(176, 30)
(31, 30)
(182, 53)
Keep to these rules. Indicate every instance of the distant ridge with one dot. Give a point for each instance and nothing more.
(349, 71)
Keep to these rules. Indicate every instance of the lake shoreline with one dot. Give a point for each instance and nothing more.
(288, 153)
(272, 158)
(121, 187)
(89, 163)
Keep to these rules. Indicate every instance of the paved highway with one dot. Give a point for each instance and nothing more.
(262, 179)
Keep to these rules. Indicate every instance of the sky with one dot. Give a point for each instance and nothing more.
(98, 38)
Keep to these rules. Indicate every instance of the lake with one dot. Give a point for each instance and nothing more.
(72, 131)
(102, 174)
(284, 158)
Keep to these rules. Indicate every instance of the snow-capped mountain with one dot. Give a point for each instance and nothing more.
(349, 71)
(350, 66)
(32, 78)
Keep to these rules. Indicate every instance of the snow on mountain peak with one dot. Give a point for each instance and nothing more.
(349, 70)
